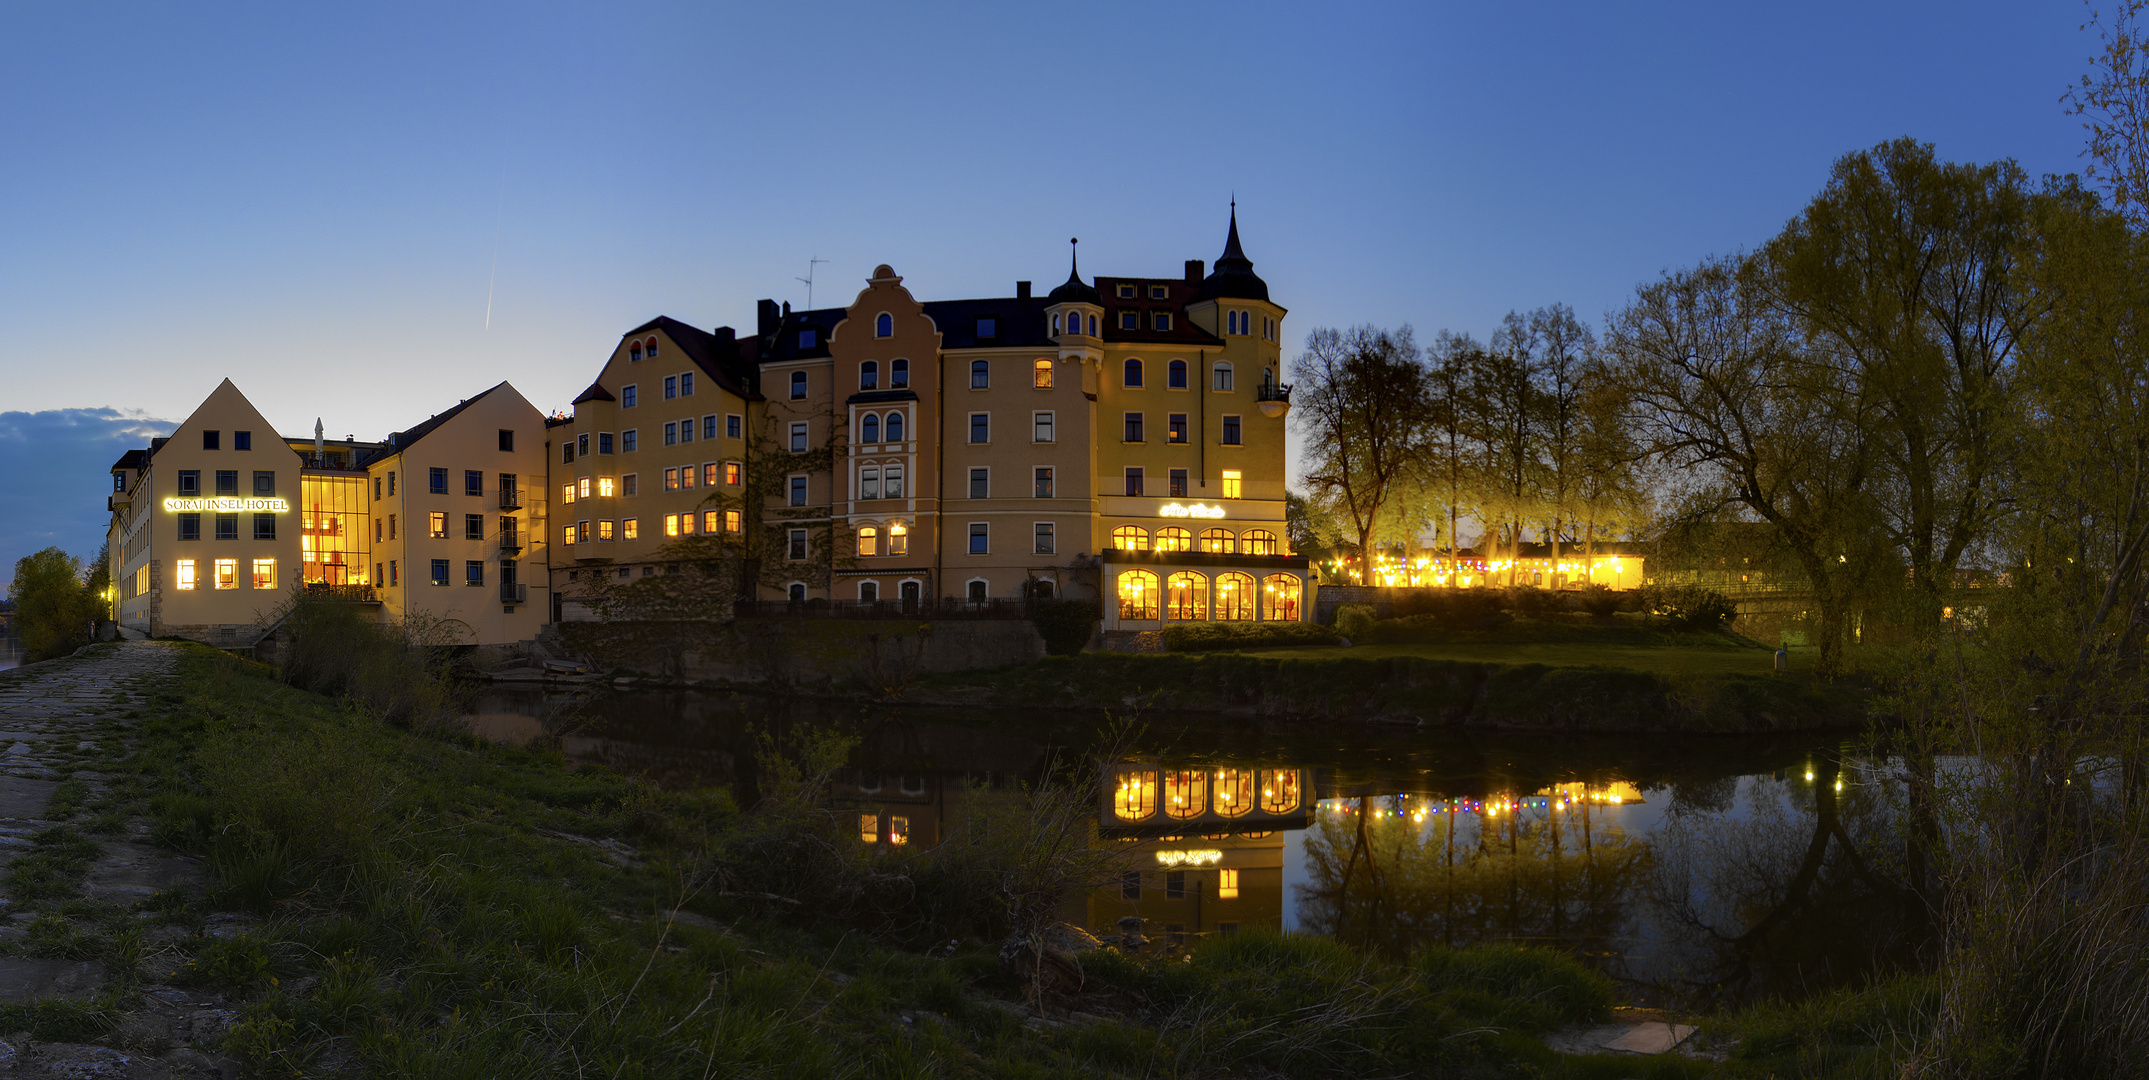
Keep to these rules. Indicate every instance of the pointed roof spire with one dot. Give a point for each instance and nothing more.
(1075, 289)
(1234, 275)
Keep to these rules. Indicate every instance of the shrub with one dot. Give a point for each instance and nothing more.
(1535, 602)
(1198, 637)
(1066, 625)
(1690, 608)
(1454, 609)
(397, 671)
(53, 610)
(1600, 601)
(1355, 621)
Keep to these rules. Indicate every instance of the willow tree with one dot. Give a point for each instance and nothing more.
(1725, 393)
(1360, 403)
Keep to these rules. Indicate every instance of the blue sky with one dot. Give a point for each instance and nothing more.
(319, 200)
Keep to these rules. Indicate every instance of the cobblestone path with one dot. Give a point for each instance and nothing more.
(94, 918)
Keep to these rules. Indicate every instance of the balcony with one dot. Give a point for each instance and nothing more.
(510, 543)
(1273, 398)
(512, 593)
(510, 498)
(356, 594)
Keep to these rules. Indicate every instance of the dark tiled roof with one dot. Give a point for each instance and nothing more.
(1073, 290)
(1234, 275)
(132, 459)
(596, 392)
(725, 364)
(786, 344)
(1178, 294)
(1018, 322)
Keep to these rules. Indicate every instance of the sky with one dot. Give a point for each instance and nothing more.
(364, 212)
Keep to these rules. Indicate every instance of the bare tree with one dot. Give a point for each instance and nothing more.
(1565, 348)
(1361, 405)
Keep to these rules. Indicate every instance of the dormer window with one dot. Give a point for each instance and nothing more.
(1160, 321)
(1159, 292)
(988, 327)
(1130, 320)
(884, 325)
(899, 374)
(807, 338)
(869, 375)
(650, 347)
(634, 352)
(1126, 292)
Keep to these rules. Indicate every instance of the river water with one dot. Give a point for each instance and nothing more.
(10, 651)
(1697, 871)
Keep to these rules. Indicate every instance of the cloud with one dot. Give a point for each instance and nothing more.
(55, 471)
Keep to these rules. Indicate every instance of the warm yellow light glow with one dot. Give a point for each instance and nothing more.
(1190, 858)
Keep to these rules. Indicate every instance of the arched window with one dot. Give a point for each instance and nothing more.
(1218, 541)
(884, 325)
(797, 592)
(1258, 542)
(868, 591)
(1134, 373)
(1223, 377)
(1174, 538)
(899, 544)
(1234, 792)
(980, 374)
(798, 385)
(895, 427)
(868, 541)
(1279, 790)
(1040, 589)
(1055, 325)
(634, 351)
(1130, 538)
(1279, 597)
(1187, 597)
(1137, 595)
(1093, 326)
(869, 429)
(869, 375)
(899, 374)
(1235, 597)
(1041, 376)
(650, 347)
(1186, 793)
(1175, 375)
(1136, 796)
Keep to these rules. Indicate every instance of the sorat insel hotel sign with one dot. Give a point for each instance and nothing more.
(226, 505)
(1195, 510)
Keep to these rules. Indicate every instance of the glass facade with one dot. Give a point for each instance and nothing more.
(334, 546)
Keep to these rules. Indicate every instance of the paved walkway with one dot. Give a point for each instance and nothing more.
(60, 722)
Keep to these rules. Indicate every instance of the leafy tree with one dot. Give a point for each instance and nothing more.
(53, 611)
(1451, 465)
(1565, 351)
(1361, 404)
(1505, 393)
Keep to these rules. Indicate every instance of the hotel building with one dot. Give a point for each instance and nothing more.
(214, 525)
(1121, 439)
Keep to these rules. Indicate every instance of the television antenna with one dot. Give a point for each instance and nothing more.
(808, 279)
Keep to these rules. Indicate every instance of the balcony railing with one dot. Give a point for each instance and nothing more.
(1273, 392)
(922, 608)
(512, 593)
(510, 498)
(357, 594)
(510, 543)
(329, 463)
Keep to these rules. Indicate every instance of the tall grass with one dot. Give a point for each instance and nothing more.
(399, 671)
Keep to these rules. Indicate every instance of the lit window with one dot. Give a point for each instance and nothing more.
(1218, 541)
(1279, 597)
(1188, 598)
(604, 532)
(1227, 887)
(1279, 790)
(1231, 483)
(604, 487)
(582, 488)
(1235, 597)
(671, 524)
(436, 524)
(630, 529)
(1130, 538)
(1041, 376)
(733, 521)
(671, 479)
(1186, 792)
(869, 824)
(1136, 796)
(686, 524)
(264, 573)
(1175, 427)
(1234, 792)
(185, 580)
(227, 574)
(709, 521)
(708, 474)
(868, 541)
(1137, 595)
(898, 539)
(898, 829)
(1258, 542)
(686, 477)
(1174, 538)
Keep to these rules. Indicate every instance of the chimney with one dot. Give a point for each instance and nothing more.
(1022, 290)
(1193, 271)
(766, 318)
(727, 344)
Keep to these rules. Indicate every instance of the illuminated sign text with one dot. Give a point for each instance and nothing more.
(226, 505)
(1189, 858)
(1196, 510)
